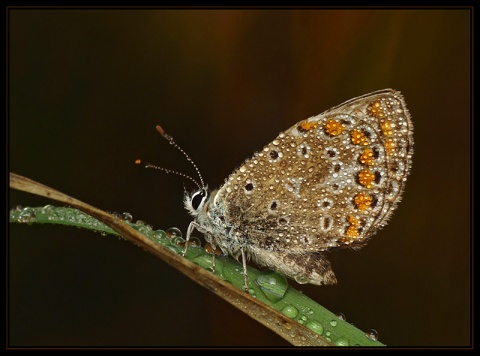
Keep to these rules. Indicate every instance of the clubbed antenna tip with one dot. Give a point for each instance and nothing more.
(169, 138)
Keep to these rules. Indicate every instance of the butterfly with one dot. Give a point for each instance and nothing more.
(328, 182)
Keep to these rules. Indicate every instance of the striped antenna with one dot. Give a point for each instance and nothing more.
(166, 170)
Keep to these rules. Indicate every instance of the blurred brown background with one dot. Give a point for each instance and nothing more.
(87, 88)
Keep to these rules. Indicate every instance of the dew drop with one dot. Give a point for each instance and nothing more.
(82, 218)
(27, 216)
(140, 222)
(175, 249)
(341, 316)
(18, 207)
(143, 229)
(127, 217)
(173, 232)
(315, 327)
(194, 241)
(103, 233)
(372, 334)
(341, 342)
(333, 322)
(177, 240)
(158, 235)
(272, 284)
(290, 311)
(69, 216)
(47, 209)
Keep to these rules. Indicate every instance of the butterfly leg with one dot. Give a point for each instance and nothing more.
(213, 263)
(190, 229)
(245, 273)
(214, 255)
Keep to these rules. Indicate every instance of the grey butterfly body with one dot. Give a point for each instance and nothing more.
(327, 182)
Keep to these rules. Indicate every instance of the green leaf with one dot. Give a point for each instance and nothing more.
(266, 286)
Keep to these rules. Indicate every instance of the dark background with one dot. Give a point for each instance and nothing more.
(87, 88)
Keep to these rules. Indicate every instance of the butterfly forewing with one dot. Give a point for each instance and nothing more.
(331, 180)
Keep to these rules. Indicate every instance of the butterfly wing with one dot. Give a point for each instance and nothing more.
(331, 180)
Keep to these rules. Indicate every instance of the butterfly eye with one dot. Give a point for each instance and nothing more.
(198, 198)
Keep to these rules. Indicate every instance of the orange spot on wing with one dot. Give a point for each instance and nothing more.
(366, 157)
(352, 230)
(366, 178)
(359, 138)
(375, 109)
(307, 126)
(362, 201)
(333, 127)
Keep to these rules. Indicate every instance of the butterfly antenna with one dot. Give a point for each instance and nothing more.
(174, 144)
(166, 170)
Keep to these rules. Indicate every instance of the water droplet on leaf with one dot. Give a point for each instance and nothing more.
(47, 209)
(290, 311)
(341, 316)
(173, 232)
(177, 240)
(26, 216)
(372, 334)
(159, 235)
(341, 342)
(194, 241)
(315, 326)
(272, 284)
(127, 217)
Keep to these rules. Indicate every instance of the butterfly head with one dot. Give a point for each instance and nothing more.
(195, 202)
